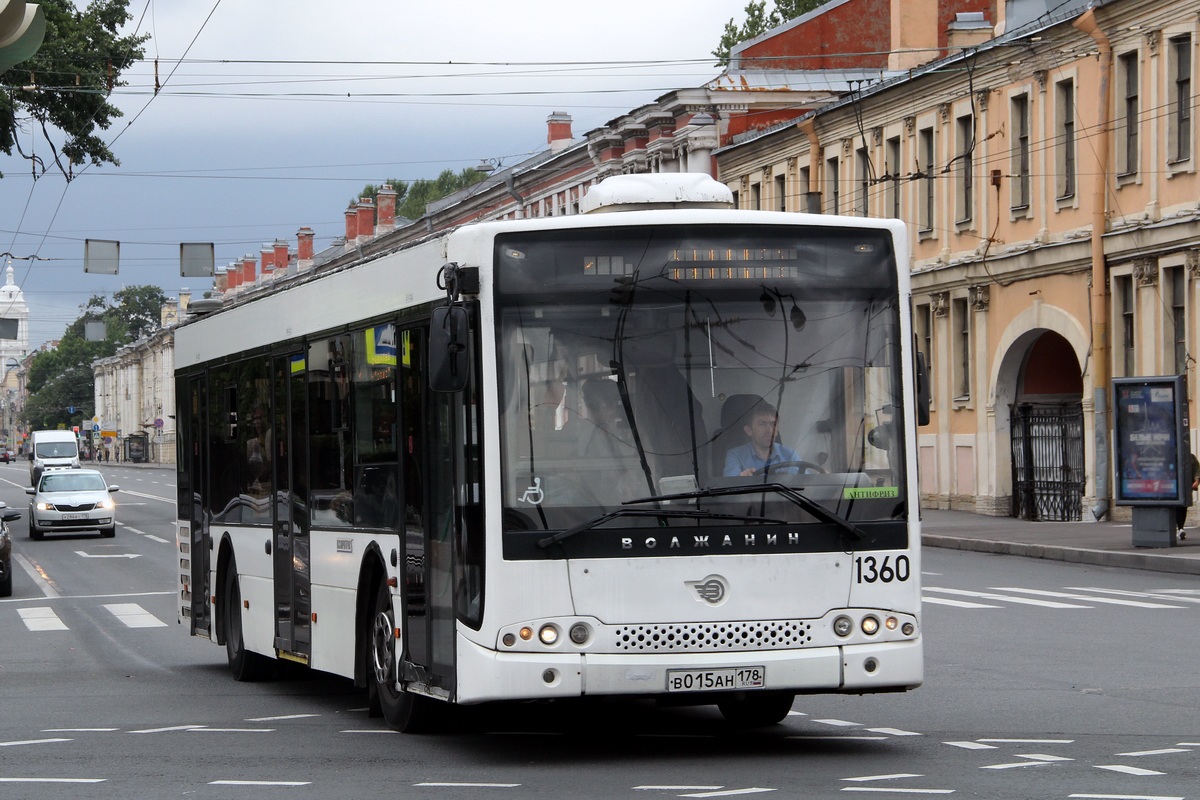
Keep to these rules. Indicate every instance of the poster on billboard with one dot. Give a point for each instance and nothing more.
(1151, 437)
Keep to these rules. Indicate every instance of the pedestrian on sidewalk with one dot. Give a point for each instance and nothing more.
(1181, 512)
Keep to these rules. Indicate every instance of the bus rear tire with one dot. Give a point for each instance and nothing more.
(244, 665)
(754, 709)
(403, 711)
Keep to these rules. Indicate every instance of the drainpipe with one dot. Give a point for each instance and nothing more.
(1100, 346)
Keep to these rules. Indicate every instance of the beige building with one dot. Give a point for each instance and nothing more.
(1048, 177)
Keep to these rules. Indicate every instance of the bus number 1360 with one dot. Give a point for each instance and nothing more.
(868, 569)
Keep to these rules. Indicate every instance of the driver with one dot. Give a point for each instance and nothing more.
(762, 451)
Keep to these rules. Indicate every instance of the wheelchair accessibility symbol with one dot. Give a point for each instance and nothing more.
(533, 494)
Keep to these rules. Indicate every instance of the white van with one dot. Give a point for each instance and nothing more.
(51, 450)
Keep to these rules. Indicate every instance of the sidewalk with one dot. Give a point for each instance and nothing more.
(1108, 544)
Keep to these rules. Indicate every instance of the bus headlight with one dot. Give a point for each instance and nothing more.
(842, 626)
(579, 633)
(870, 626)
(548, 634)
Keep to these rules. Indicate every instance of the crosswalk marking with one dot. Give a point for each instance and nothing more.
(1163, 595)
(946, 601)
(41, 618)
(134, 616)
(1029, 601)
(1069, 596)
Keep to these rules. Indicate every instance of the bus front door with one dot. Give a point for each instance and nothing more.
(289, 464)
(190, 485)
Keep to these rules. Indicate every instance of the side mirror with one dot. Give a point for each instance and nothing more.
(449, 336)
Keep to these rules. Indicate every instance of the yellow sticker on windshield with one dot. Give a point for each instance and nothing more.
(870, 492)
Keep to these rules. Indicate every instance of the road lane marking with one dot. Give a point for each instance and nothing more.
(1029, 601)
(894, 732)
(468, 785)
(171, 500)
(946, 601)
(971, 745)
(33, 741)
(1164, 751)
(1069, 596)
(259, 783)
(38, 574)
(1127, 797)
(1028, 741)
(673, 788)
(1128, 770)
(1163, 595)
(893, 776)
(1015, 764)
(79, 730)
(895, 790)
(53, 780)
(282, 716)
(41, 618)
(730, 792)
(168, 729)
(134, 616)
(85, 554)
(840, 723)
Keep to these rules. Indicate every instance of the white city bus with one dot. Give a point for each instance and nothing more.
(496, 464)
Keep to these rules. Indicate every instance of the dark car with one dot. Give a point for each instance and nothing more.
(7, 455)
(7, 515)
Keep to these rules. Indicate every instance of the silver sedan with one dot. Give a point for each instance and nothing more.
(72, 500)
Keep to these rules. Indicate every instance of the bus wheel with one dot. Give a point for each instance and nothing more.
(244, 665)
(752, 709)
(401, 710)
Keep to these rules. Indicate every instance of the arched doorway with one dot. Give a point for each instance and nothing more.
(1048, 433)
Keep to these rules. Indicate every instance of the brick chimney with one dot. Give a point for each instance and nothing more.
(234, 277)
(386, 198)
(558, 131)
(221, 281)
(366, 219)
(282, 257)
(248, 268)
(304, 248)
(351, 226)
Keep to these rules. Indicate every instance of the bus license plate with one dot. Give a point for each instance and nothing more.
(716, 680)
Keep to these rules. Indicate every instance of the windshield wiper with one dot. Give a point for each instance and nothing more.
(689, 513)
(808, 504)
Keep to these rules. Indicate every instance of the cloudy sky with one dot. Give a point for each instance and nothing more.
(273, 114)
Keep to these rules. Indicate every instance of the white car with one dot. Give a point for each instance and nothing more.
(72, 500)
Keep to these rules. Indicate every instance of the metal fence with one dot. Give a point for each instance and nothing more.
(1047, 462)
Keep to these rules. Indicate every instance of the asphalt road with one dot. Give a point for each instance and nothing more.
(1043, 680)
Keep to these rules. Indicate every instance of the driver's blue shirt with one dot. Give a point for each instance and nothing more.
(744, 457)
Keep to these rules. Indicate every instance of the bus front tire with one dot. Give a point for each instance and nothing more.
(754, 709)
(403, 711)
(244, 665)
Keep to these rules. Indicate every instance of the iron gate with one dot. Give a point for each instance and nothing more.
(1047, 461)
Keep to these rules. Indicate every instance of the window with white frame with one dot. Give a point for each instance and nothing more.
(925, 165)
(832, 186)
(964, 176)
(1179, 129)
(1064, 135)
(1177, 280)
(1123, 285)
(1127, 113)
(1019, 187)
(862, 203)
(960, 318)
(892, 154)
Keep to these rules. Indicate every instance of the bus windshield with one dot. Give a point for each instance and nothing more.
(646, 362)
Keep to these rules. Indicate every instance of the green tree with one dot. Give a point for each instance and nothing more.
(62, 91)
(412, 197)
(61, 381)
(758, 22)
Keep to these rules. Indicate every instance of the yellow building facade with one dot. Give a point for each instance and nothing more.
(1048, 179)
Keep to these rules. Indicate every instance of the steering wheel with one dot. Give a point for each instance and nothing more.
(802, 465)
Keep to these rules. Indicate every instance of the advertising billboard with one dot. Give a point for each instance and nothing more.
(1151, 439)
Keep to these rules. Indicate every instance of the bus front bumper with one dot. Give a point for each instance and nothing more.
(485, 675)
